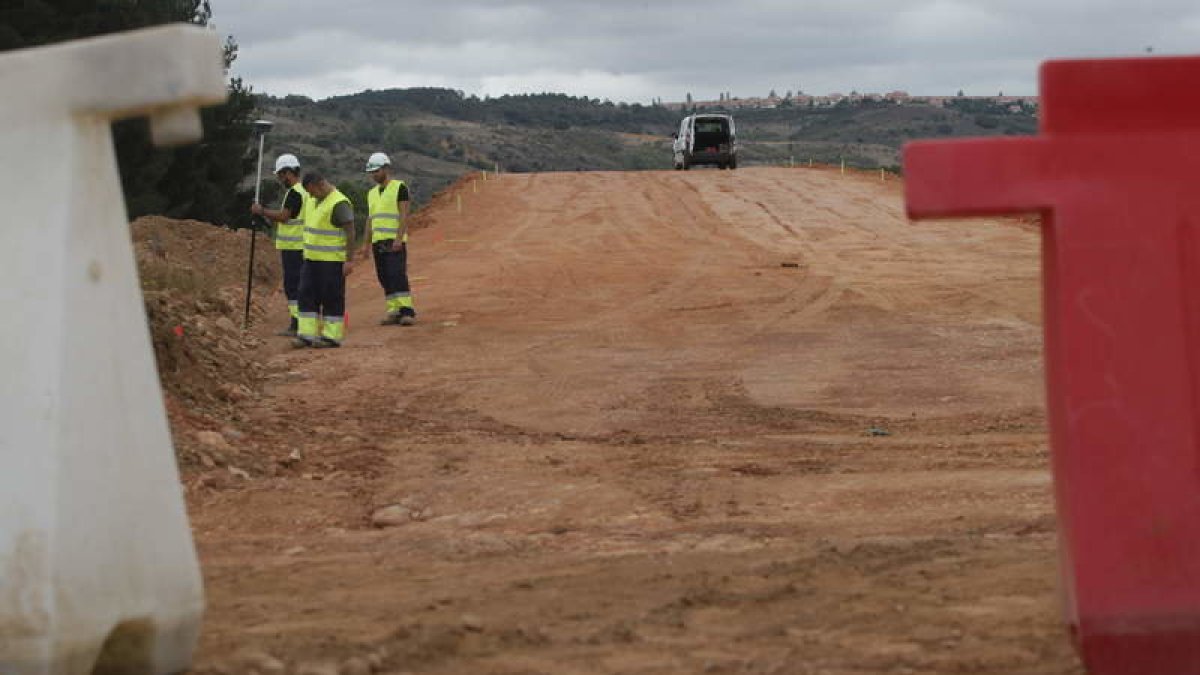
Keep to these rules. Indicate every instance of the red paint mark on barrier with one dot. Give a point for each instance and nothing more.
(1114, 174)
(178, 330)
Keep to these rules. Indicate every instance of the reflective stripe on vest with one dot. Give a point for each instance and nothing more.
(289, 236)
(322, 239)
(383, 212)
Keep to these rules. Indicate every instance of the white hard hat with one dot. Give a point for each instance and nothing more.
(286, 162)
(377, 161)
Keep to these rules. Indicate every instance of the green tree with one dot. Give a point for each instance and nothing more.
(198, 181)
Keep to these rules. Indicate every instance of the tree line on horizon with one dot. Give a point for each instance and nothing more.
(549, 110)
(200, 181)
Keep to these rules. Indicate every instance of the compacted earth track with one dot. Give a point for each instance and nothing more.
(746, 421)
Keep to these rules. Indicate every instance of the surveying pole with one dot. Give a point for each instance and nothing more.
(261, 129)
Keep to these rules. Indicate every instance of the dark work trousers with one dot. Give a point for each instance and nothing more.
(292, 262)
(322, 295)
(392, 269)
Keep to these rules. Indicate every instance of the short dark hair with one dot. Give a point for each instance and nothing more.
(311, 178)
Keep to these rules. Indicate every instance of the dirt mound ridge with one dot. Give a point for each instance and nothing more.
(193, 278)
(443, 202)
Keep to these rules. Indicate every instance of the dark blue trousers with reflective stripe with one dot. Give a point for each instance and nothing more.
(392, 269)
(293, 261)
(323, 296)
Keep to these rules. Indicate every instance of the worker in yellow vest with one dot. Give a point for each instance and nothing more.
(289, 233)
(387, 238)
(328, 260)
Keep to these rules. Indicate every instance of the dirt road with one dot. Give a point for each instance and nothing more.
(718, 421)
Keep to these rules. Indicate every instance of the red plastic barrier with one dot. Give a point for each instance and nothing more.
(1115, 173)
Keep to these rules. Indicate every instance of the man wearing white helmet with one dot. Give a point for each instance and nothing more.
(289, 232)
(387, 238)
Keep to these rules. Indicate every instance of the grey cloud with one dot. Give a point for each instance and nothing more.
(637, 49)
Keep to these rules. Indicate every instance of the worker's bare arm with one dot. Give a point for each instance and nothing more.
(403, 231)
(348, 228)
(275, 216)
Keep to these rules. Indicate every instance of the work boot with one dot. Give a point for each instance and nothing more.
(326, 343)
(301, 343)
(390, 320)
(290, 331)
(407, 317)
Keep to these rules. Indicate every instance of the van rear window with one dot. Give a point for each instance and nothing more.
(710, 126)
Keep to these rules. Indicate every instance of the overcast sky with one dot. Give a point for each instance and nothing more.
(638, 50)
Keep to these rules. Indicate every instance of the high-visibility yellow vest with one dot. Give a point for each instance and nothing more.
(322, 239)
(383, 213)
(289, 236)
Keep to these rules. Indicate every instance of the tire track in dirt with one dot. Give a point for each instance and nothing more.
(901, 279)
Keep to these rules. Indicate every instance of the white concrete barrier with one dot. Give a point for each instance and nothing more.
(97, 564)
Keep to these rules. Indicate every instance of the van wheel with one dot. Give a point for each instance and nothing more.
(733, 163)
(678, 166)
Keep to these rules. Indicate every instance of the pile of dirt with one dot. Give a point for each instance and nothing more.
(193, 278)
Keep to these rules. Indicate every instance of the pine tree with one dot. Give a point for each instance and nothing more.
(197, 181)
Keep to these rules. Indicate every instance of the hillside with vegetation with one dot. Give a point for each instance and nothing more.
(435, 136)
(197, 181)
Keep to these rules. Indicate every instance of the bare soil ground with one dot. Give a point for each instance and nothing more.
(744, 421)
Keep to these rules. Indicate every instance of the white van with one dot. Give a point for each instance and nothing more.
(706, 139)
